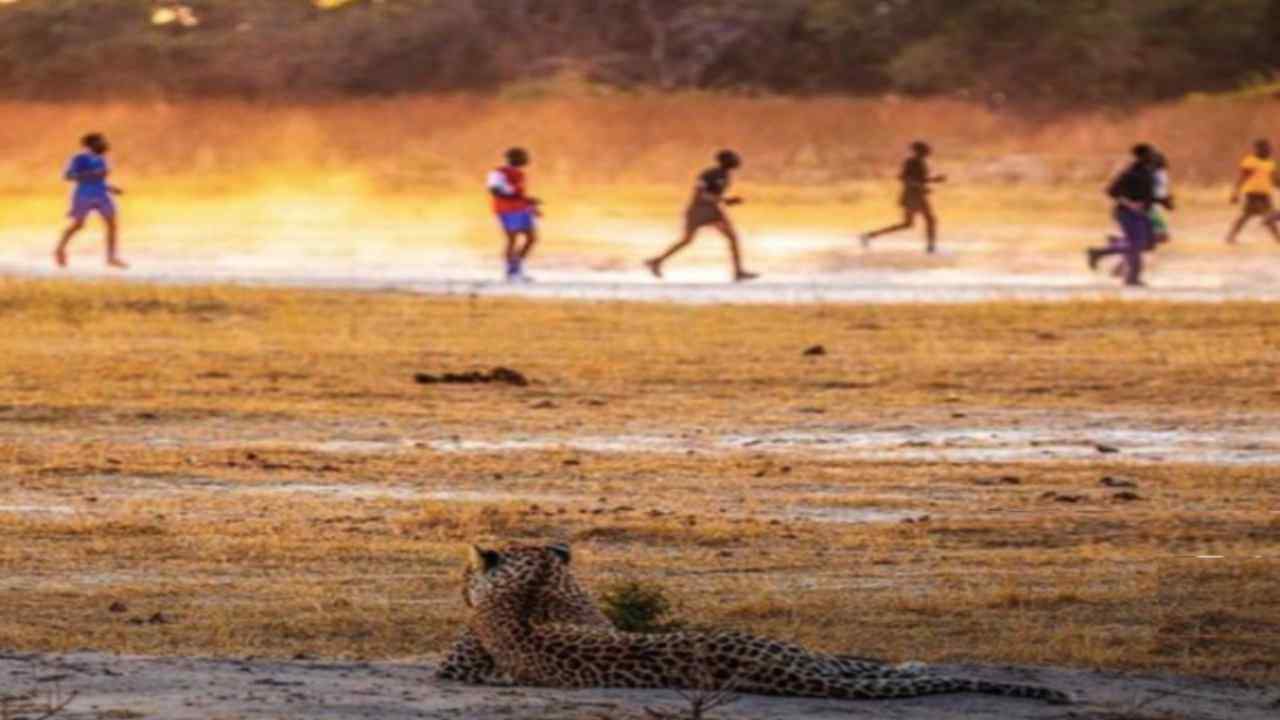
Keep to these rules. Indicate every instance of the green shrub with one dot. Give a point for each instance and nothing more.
(639, 607)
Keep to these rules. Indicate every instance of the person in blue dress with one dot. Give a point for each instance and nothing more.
(89, 171)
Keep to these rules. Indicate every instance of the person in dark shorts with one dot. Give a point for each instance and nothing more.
(915, 198)
(1257, 184)
(706, 209)
(1134, 193)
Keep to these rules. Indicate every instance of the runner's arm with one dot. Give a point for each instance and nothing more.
(499, 187)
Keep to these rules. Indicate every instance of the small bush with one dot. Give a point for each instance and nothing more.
(639, 607)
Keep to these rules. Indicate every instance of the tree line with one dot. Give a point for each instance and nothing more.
(1068, 53)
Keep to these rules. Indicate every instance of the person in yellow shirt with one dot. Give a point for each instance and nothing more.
(1257, 182)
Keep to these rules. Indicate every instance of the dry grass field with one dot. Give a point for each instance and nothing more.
(213, 470)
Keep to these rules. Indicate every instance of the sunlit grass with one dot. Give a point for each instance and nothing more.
(323, 354)
(157, 446)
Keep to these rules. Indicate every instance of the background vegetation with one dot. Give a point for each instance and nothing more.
(1025, 52)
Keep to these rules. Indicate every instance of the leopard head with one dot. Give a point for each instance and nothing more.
(515, 574)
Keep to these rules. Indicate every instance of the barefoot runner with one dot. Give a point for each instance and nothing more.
(1257, 184)
(915, 198)
(516, 211)
(89, 171)
(707, 209)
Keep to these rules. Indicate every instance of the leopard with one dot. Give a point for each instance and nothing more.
(502, 589)
(565, 601)
(561, 601)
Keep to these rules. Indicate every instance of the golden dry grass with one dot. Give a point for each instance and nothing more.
(164, 493)
(89, 351)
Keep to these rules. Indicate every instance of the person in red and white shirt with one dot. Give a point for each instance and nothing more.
(516, 211)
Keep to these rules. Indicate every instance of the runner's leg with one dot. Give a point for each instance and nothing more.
(530, 239)
(113, 245)
(511, 256)
(1270, 220)
(60, 252)
(655, 264)
(1137, 234)
(931, 229)
(1238, 226)
(908, 220)
(740, 274)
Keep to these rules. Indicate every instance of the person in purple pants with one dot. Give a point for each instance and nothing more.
(1134, 194)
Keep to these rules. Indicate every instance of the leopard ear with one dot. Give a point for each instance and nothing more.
(561, 551)
(483, 560)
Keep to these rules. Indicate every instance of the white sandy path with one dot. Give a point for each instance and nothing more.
(1212, 280)
(955, 434)
(202, 689)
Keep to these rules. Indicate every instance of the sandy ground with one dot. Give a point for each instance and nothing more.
(810, 265)
(198, 689)
(965, 435)
(180, 688)
(704, 286)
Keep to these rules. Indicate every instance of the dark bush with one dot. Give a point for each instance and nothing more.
(639, 607)
(1065, 52)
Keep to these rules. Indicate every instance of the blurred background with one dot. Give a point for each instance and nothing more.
(1067, 53)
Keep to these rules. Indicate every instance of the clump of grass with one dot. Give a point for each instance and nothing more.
(639, 607)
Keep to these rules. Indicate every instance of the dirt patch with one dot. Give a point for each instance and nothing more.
(196, 689)
(1063, 441)
(498, 375)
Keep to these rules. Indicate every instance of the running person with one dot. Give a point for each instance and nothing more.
(1163, 204)
(1134, 195)
(914, 200)
(89, 171)
(516, 211)
(1257, 184)
(707, 209)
